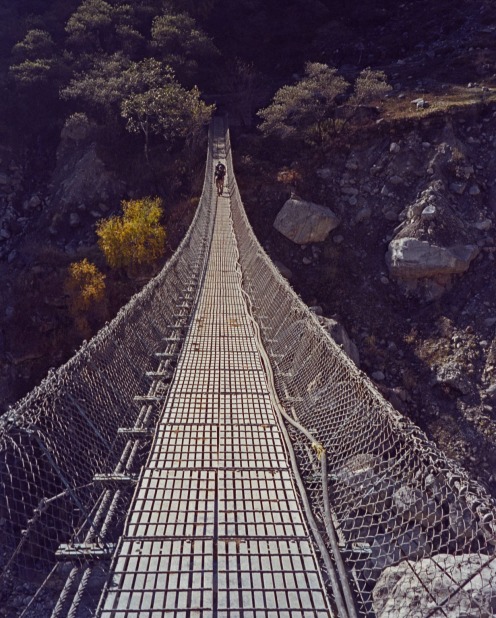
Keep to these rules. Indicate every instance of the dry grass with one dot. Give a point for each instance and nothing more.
(445, 100)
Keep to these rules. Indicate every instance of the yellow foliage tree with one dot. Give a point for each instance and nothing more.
(136, 237)
(85, 286)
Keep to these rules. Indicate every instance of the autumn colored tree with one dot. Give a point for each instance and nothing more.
(135, 238)
(85, 286)
(290, 177)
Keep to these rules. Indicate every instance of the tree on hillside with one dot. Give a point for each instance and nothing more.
(90, 26)
(36, 44)
(170, 111)
(85, 287)
(182, 45)
(308, 108)
(101, 88)
(37, 72)
(320, 105)
(35, 61)
(33, 73)
(135, 238)
(369, 85)
(111, 80)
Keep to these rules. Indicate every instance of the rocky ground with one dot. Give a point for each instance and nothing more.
(47, 221)
(409, 269)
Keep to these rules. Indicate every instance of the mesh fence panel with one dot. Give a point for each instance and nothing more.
(417, 535)
(55, 440)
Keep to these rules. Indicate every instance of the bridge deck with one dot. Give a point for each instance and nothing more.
(216, 528)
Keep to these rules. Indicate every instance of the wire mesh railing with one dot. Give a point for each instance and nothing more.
(416, 534)
(69, 449)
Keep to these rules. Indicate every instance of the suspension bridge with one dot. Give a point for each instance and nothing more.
(212, 452)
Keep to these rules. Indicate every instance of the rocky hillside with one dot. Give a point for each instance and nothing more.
(408, 270)
(407, 265)
(45, 225)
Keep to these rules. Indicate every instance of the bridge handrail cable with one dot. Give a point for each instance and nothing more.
(394, 496)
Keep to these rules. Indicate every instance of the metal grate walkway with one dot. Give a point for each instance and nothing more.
(215, 527)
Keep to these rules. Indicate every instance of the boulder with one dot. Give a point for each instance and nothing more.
(387, 549)
(81, 175)
(305, 222)
(458, 187)
(420, 103)
(34, 201)
(409, 258)
(87, 180)
(359, 471)
(401, 592)
(429, 213)
(484, 225)
(325, 173)
(454, 376)
(340, 336)
(284, 270)
(378, 376)
(414, 505)
(363, 215)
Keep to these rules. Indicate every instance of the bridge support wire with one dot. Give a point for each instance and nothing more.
(343, 595)
(396, 503)
(106, 513)
(401, 522)
(78, 412)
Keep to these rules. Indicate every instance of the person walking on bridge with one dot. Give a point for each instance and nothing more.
(220, 172)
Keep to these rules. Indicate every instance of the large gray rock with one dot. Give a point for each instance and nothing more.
(87, 180)
(80, 175)
(284, 270)
(414, 505)
(454, 376)
(388, 549)
(358, 472)
(305, 222)
(340, 336)
(409, 258)
(401, 590)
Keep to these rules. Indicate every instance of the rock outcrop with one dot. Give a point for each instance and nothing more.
(341, 337)
(305, 222)
(400, 591)
(81, 178)
(409, 258)
(434, 241)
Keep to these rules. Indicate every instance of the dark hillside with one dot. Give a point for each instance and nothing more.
(70, 69)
